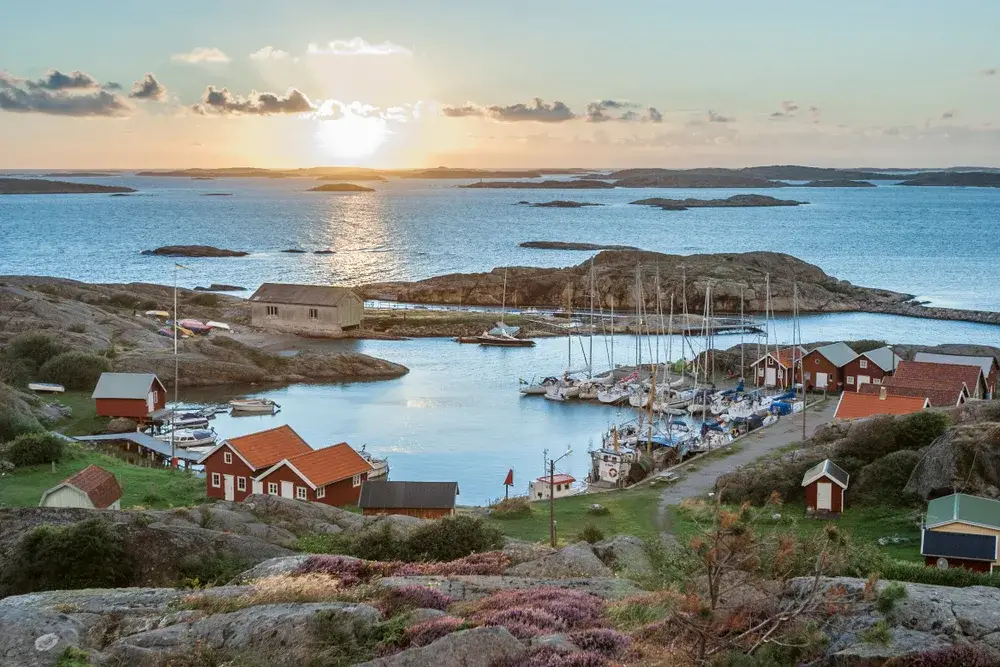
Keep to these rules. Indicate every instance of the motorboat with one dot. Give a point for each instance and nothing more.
(219, 325)
(189, 420)
(380, 467)
(489, 340)
(187, 438)
(538, 388)
(254, 406)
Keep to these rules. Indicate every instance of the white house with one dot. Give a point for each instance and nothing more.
(91, 488)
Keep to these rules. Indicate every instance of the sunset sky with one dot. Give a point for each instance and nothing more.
(121, 84)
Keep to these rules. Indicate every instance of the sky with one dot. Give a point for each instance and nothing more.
(397, 83)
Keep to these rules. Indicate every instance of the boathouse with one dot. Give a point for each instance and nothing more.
(825, 484)
(988, 364)
(871, 367)
(91, 488)
(313, 310)
(881, 401)
(776, 369)
(132, 395)
(426, 500)
(822, 367)
(952, 526)
(332, 475)
(230, 466)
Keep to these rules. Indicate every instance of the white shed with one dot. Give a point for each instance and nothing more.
(91, 488)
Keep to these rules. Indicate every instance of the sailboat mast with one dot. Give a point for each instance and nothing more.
(590, 368)
(503, 299)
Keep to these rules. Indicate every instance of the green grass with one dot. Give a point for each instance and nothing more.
(84, 420)
(631, 512)
(148, 487)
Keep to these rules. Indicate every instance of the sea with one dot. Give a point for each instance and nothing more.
(458, 416)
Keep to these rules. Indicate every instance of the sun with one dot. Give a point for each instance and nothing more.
(352, 137)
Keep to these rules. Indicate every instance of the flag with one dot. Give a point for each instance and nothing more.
(509, 480)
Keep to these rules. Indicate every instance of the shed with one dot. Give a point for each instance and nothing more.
(776, 369)
(132, 395)
(871, 367)
(822, 367)
(306, 309)
(947, 550)
(91, 488)
(427, 500)
(825, 484)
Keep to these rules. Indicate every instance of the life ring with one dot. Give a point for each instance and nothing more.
(612, 472)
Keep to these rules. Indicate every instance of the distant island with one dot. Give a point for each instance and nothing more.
(38, 186)
(216, 287)
(566, 245)
(558, 203)
(362, 175)
(341, 187)
(217, 194)
(541, 185)
(839, 183)
(194, 251)
(736, 201)
(80, 174)
(968, 179)
(654, 178)
(446, 172)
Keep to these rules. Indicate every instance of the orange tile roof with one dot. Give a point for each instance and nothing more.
(557, 479)
(268, 447)
(941, 395)
(856, 406)
(909, 372)
(330, 464)
(786, 356)
(99, 484)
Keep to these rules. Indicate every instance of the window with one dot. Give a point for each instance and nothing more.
(314, 313)
(272, 488)
(864, 363)
(241, 483)
(321, 492)
(760, 372)
(300, 492)
(216, 480)
(272, 311)
(808, 375)
(228, 457)
(156, 396)
(356, 481)
(876, 380)
(816, 361)
(850, 379)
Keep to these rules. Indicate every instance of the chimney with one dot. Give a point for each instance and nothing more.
(882, 393)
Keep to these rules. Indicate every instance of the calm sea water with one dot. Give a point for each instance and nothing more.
(458, 415)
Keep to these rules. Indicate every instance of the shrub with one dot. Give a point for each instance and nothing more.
(608, 643)
(207, 300)
(957, 655)
(351, 571)
(451, 538)
(550, 656)
(77, 327)
(538, 611)
(405, 598)
(210, 570)
(889, 596)
(122, 300)
(14, 423)
(15, 372)
(88, 554)
(73, 657)
(881, 482)
(591, 533)
(34, 449)
(74, 370)
(598, 510)
(511, 508)
(918, 573)
(880, 633)
(34, 348)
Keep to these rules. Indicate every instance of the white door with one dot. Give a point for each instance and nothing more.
(824, 496)
(230, 492)
(864, 379)
(821, 380)
(771, 377)
(150, 402)
(258, 487)
(286, 490)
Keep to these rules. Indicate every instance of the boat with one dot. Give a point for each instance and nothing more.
(158, 313)
(500, 335)
(538, 388)
(613, 395)
(189, 420)
(219, 325)
(187, 438)
(46, 387)
(467, 339)
(380, 467)
(254, 406)
(196, 326)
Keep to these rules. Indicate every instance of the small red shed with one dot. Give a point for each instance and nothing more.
(825, 484)
(133, 395)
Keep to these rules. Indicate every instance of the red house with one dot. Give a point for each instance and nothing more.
(988, 364)
(921, 372)
(231, 466)
(825, 485)
(776, 369)
(822, 367)
(862, 405)
(133, 395)
(332, 475)
(872, 367)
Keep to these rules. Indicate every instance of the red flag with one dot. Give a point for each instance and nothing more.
(509, 481)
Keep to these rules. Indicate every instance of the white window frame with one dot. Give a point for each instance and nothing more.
(850, 379)
(321, 492)
(241, 483)
(272, 488)
(876, 380)
(760, 372)
(863, 363)
(227, 458)
(809, 375)
(300, 493)
(356, 481)
(216, 480)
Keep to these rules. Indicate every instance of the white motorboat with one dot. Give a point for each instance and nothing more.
(254, 406)
(538, 388)
(187, 438)
(613, 395)
(380, 467)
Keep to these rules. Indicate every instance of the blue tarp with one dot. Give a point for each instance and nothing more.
(781, 408)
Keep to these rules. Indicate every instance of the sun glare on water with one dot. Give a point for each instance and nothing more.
(352, 137)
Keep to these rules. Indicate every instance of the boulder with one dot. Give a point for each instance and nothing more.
(479, 647)
(576, 560)
(272, 567)
(560, 642)
(966, 457)
(903, 642)
(474, 587)
(522, 552)
(121, 425)
(423, 615)
(625, 553)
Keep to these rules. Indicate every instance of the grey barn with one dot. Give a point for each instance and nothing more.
(315, 310)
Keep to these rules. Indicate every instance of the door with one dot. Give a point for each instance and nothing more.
(864, 379)
(821, 380)
(150, 402)
(229, 487)
(286, 490)
(258, 487)
(824, 496)
(771, 377)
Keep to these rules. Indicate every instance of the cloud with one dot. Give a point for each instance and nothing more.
(221, 101)
(778, 114)
(950, 113)
(21, 96)
(719, 118)
(111, 85)
(595, 110)
(789, 107)
(56, 80)
(148, 89)
(467, 110)
(201, 54)
(537, 111)
(356, 46)
(653, 115)
(268, 53)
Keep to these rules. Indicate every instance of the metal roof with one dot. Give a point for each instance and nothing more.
(965, 508)
(125, 385)
(826, 468)
(986, 363)
(884, 358)
(147, 441)
(837, 353)
(300, 295)
(940, 544)
(408, 495)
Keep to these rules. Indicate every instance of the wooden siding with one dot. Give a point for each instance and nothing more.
(974, 565)
(420, 513)
(783, 376)
(68, 497)
(133, 408)
(836, 496)
(853, 369)
(337, 494)
(295, 318)
(217, 463)
(969, 529)
(814, 363)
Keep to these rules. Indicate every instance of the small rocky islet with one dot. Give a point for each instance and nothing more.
(39, 186)
(194, 251)
(568, 245)
(341, 187)
(839, 183)
(736, 201)
(558, 203)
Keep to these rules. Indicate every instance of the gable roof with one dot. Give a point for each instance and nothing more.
(786, 356)
(986, 363)
(962, 507)
(859, 405)
(826, 468)
(939, 395)
(259, 450)
(125, 385)
(925, 371)
(408, 495)
(324, 466)
(837, 354)
(884, 358)
(557, 479)
(97, 483)
(941, 544)
(301, 295)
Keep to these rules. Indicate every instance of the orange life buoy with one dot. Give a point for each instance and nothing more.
(612, 472)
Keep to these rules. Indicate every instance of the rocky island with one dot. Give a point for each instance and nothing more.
(38, 186)
(736, 201)
(965, 179)
(838, 183)
(353, 175)
(194, 251)
(558, 203)
(341, 187)
(653, 178)
(582, 184)
(446, 172)
(567, 245)
(80, 174)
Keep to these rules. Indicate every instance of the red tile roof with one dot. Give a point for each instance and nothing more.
(941, 395)
(786, 356)
(910, 372)
(557, 479)
(100, 486)
(856, 406)
(330, 464)
(268, 447)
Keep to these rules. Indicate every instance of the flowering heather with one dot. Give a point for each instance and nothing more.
(412, 597)
(538, 611)
(486, 563)
(608, 643)
(424, 633)
(352, 571)
(548, 656)
(523, 623)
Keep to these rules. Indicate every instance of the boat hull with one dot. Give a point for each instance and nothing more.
(496, 341)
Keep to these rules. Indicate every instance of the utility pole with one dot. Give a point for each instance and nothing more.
(552, 495)
(173, 422)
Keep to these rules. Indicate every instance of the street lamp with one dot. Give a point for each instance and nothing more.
(552, 497)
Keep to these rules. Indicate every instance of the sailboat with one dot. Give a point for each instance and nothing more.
(502, 335)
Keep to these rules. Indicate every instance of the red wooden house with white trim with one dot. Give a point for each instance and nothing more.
(231, 465)
(777, 370)
(131, 395)
(332, 475)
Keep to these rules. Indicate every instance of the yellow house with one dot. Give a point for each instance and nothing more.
(962, 530)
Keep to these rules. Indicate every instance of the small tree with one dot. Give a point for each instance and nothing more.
(34, 449)
(74, 370)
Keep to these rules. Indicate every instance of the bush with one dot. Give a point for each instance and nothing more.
(74, 370)
(33, 449)
(88, 554)
(406, 598)
(34, 348)
(78, 327)
(451, 538)
(918, 573)
(14, 423)
(210, 570)
(424, 633)
(511, 508)
(207, 300)
(15, 372)
(538, 611)
(881, 482)
(889, 596)
(882, 436)
(591, 533)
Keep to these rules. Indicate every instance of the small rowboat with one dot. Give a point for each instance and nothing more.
(46, 387)
(253, 406)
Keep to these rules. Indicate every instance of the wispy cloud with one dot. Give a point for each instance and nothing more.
(222, 102)
(148, 89)
(714, 117)
(595, 110)
(56, 80)
(949, 114)
(269, 53)
(357, 46)
(789, 107)
(537, 111)
(57, 94)
(201, 54)
(467, 110)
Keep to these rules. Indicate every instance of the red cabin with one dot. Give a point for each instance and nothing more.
(132, 395)
(231, 466)
(332, 475)
(825, 484)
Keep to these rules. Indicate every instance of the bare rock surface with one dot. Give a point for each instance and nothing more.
(194, 251)
(626, 554)
(575, 560)
(478, 647)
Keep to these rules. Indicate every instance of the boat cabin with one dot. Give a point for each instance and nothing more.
(609, 466)
(825, 484)
(426, 500)
(131, 395)
(561, 485)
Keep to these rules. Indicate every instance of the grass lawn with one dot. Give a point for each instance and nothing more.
(84, 420)
(150, 487)
(631, 512)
